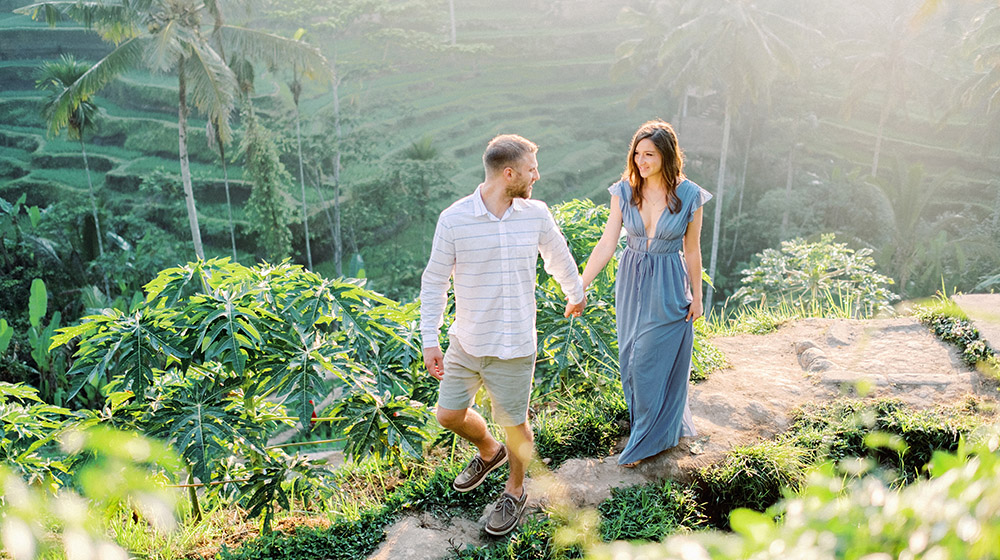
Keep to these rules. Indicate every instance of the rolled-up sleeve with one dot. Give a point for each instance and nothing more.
(434, 284)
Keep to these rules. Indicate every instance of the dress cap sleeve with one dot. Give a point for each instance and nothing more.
(700, 197)
(621, 190)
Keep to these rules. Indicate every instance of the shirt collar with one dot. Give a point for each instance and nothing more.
(479, 207)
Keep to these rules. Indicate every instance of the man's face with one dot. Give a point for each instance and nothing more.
(523, 176)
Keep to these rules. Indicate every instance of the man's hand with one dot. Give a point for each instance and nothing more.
(434, 362)
(575, 309)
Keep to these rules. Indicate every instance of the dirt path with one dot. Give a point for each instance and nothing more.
(813, 360)
(984, 311)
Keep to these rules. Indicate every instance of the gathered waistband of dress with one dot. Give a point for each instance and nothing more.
(657, 247)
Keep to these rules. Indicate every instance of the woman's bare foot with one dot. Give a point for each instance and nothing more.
(631, 465)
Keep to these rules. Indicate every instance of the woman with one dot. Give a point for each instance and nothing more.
(658, 287)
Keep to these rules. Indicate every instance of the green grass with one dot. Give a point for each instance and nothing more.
(649, 512)
(75, 179)
(753, 477)
(581, 427)
(763, 319)
(882, 436)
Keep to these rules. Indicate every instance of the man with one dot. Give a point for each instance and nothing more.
(490, 242)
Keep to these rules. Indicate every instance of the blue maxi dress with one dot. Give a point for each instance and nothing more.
(652, 297)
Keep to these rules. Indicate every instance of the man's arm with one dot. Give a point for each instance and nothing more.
(434, 285)
(558, 262)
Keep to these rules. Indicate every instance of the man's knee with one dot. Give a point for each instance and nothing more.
(450, 419)
(521, 439)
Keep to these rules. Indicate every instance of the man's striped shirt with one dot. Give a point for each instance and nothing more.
(493, 263)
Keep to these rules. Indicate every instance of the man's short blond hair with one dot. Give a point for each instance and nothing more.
(506, 151)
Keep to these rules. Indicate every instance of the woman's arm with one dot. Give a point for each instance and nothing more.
(605, 248)
(692, 255)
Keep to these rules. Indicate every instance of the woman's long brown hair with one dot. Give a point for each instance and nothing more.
(663, 137)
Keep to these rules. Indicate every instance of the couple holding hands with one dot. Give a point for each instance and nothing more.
(488, 244)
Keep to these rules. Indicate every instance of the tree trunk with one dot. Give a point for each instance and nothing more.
(185, 165)
(788, 193)
(996, 210)
(225, 181)
(716, 227)
(93, 211)
(334, 229)
(338, 242)
(882, 118)
(743, 187)
(451, 12)
(338, 245)
(302, 181)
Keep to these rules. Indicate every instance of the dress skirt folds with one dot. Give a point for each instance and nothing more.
(652, 296)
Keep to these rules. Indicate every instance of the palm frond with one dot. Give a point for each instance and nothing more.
(274, 51)
(166, 47)
(126, 56)
(49, 12)
(212, 87)
(55, 76)
(114, 21)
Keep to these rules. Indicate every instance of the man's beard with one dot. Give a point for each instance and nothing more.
(519, 190)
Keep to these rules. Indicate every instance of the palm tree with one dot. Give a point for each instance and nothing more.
(736, 48)
(907, 195)
(982, 90)
(886, 61)
(55, 78)
(169, 35)
(295, 87)
(451, 15)
(215, 140)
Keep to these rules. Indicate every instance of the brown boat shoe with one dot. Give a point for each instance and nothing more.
(475, 472)
(506, 513)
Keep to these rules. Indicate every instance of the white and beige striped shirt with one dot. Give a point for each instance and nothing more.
(493, 263)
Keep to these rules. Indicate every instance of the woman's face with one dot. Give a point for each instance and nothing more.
(648, 159)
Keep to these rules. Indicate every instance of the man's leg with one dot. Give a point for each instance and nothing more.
(521, 445)
(470, 426)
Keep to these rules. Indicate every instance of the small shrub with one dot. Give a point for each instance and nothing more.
(581, 427)
(705, 358)
(956, 514)
(886, 431)
(950, 326)
(753, 477)
(649, 512)
(818, 278)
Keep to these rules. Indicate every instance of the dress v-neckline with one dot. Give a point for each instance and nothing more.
(656, 223)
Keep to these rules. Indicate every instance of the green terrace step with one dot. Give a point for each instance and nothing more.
(48, 43)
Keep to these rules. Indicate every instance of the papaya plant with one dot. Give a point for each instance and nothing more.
(219, 355)
(29, 430)
(572, 350)
(111, 470)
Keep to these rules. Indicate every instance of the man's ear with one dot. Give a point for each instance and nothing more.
(508, 172)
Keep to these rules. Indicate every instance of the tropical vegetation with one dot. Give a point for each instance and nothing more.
(213, 272)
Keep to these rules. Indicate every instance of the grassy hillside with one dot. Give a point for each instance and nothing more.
(542, 69)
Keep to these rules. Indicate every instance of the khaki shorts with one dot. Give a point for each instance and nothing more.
(507, 381)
